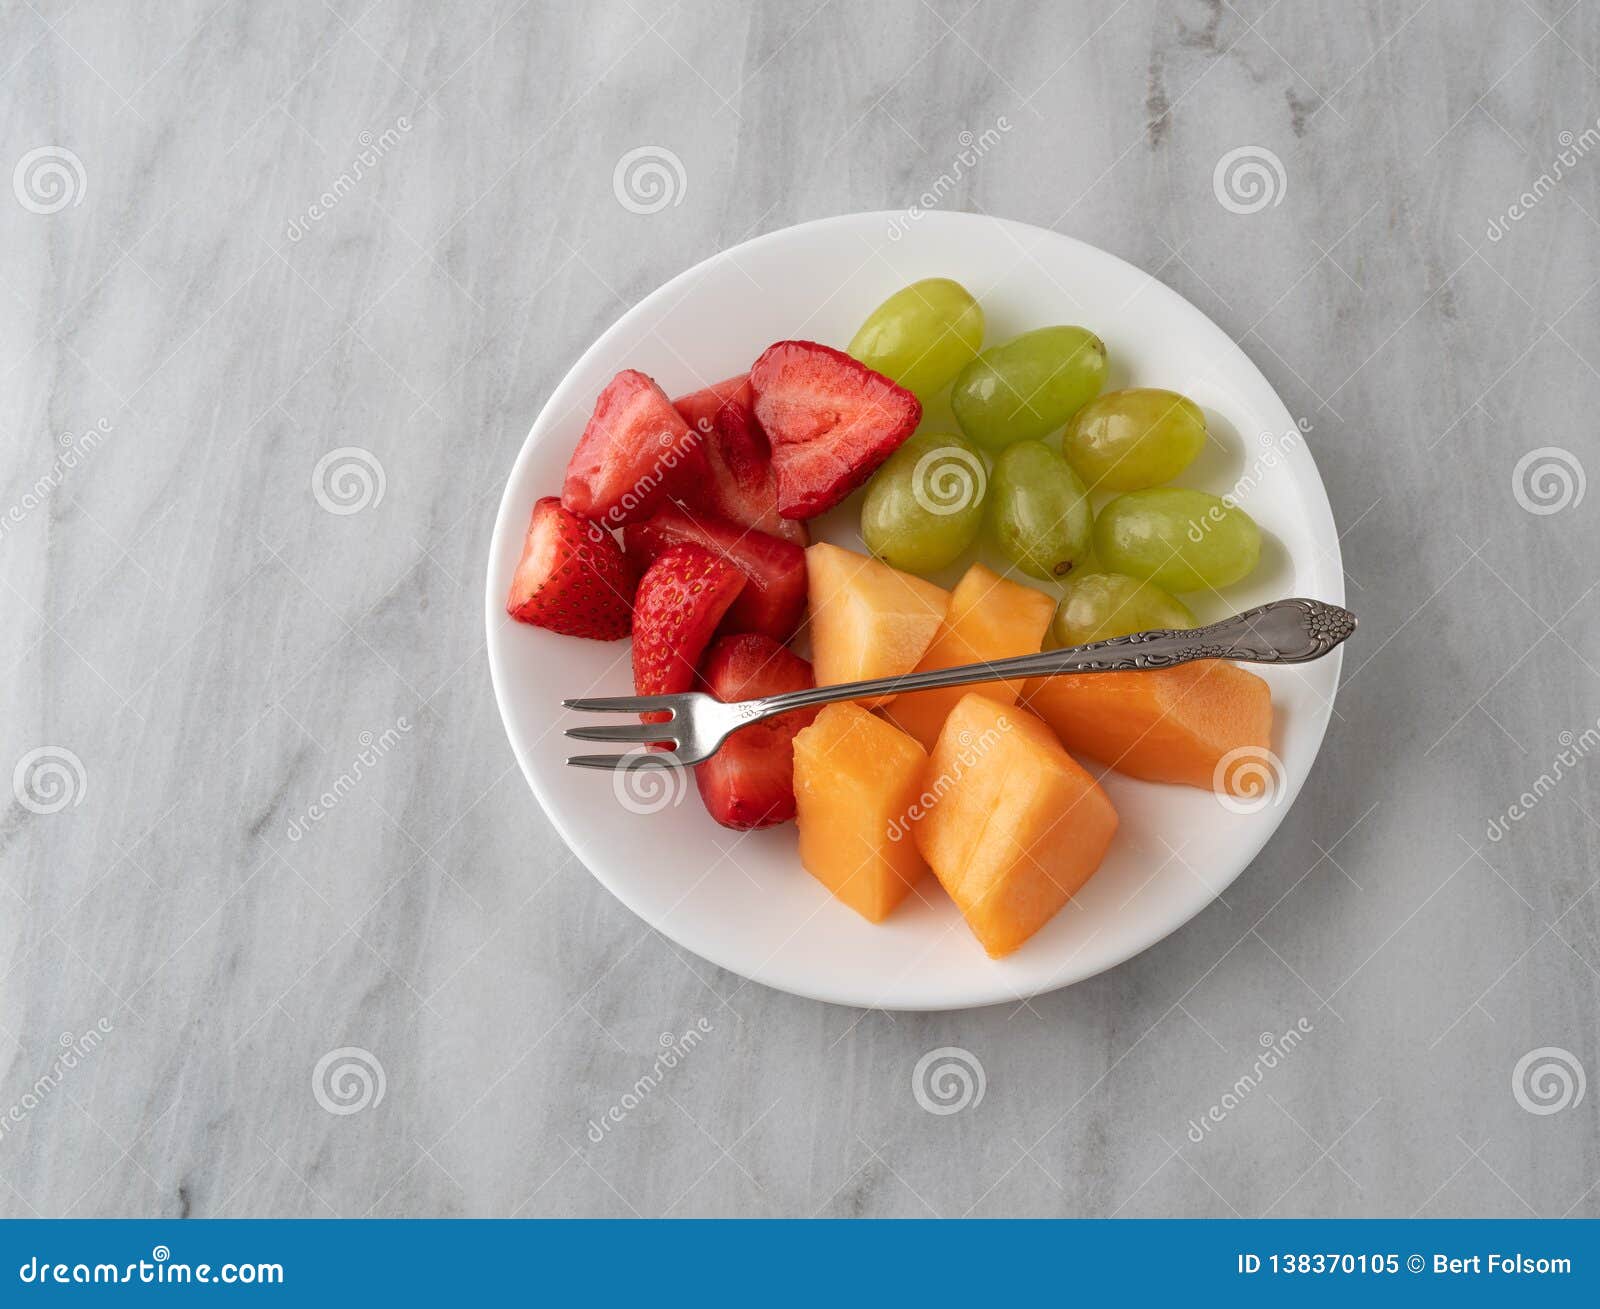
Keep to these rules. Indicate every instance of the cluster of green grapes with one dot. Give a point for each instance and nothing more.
(933, 496)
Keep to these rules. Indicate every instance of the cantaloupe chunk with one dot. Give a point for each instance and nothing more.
(856, 782)
(1174, 724)
(1015, 826)
(867, 619)
(988, 618)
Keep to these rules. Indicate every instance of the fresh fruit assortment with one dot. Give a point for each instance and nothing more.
(714, 574)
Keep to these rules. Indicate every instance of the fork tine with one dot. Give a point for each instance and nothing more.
(622, 704)
(611, 762)
(633, 733)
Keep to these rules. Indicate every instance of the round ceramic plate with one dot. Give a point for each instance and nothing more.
(742, 900)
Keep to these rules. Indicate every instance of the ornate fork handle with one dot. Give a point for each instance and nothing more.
(1283, 632)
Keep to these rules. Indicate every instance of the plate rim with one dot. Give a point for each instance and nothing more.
(509, 512)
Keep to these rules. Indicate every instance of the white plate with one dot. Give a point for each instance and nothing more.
(742, 901)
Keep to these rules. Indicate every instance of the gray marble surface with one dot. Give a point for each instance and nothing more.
(196, 646)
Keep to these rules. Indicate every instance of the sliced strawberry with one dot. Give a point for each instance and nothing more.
(739, 483)
(634, 452)
(699, 408)
(750, 781)
(573, 577)
(774, 598)
(681, 599)
(830, 419)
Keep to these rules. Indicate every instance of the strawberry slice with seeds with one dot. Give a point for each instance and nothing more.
(750, 781)
(681, 599)
(774, 598)
(634, 452)
(572, 578)
(830, 420)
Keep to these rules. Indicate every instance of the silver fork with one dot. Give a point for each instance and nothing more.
(1283, 632)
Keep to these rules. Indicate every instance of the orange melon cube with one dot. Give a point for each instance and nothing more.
(1205, 724)
(856, 783)
(1015, 826)
(988, 618)
(867, 619)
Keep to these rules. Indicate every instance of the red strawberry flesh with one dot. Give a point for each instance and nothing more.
(681, 599)
(634, 452)
(774, 598)
(572, 578)
(699, 408)
(750, 781)
(830, 420)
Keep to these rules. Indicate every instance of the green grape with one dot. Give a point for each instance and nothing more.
(922, 335)
(1039, 514)
(1028, 387)
(1128, 440)
(925, 505)
(1180, 540)
(1099, 606)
